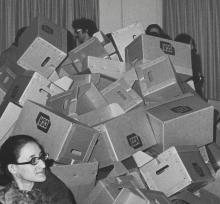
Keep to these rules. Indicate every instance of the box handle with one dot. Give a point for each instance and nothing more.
(47, 59)
(150, 76)
(161, 170)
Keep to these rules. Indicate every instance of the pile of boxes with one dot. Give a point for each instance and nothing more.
(117, 116)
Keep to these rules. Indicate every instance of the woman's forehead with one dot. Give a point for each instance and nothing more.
(29, 149)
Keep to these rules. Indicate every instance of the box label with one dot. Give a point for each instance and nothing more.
(134, 141)
(181, 109)
(167, 48)
(43, 122)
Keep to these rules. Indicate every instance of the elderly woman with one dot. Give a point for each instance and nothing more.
(22, 161)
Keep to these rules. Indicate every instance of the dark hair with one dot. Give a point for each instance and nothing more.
(160, 33)
(18, 35)
(185, 38)
(86, 25)
(153, 26)
(10, 151)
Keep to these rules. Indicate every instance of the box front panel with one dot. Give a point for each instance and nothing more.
(50, 129)
(126, 135)
(79, 145)
(154, 47)
(89, 99)
(120, 92)
(167, 175)
(64, 103)
(92, 47)
(157, 80)
(42, 57)
(188, 120)
(107, 67)
(181, 130)
(196, 167)
(125, 36)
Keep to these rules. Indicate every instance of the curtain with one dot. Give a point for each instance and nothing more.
(15, 14)
(201, 20)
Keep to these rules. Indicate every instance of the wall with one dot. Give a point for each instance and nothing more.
(115, 14)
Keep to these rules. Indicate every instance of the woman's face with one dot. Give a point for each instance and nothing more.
(29, 173)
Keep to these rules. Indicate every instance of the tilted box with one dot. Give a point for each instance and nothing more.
(175, 169)
(42, 46)
(64, 138)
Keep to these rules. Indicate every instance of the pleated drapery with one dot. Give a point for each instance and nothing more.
(201, 20)
(15, 14)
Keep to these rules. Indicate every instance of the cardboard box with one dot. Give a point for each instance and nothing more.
(89, 98)
(110, 68)
(64, 102)
(91, 47)
(101, 115)
(175, 169)
(64, 138)
(147, 48)
(147, 196)
(107, 191)
(211, 189)
(42, 46)
(112, 52)
(124, 36)
(8, 118)
(123, 193)
(31, 86)
(79, 178)
(120, 92)
(123, 136)
(101, 37)
(157, 80)
(83, 79)
(104, 192)
(189, 198)
(185, 121)
(66, 68)
(7, 77)
(129, 196)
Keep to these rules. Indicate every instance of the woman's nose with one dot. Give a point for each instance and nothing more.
(41, 164)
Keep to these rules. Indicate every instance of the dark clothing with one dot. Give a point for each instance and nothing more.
(56, 190)
(51, 191)
(12, 195)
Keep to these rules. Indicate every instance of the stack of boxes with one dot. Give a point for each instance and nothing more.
(123, 129)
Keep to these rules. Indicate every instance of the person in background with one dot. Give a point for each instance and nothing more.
(157, 31)
(84, 29)
(8, 57)
(197, 77)
(22, 161)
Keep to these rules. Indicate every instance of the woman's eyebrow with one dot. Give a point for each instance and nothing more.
(33, 155)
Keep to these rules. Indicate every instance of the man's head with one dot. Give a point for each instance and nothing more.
(84, 29)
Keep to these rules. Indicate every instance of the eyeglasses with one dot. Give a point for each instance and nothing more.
(35, 160)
